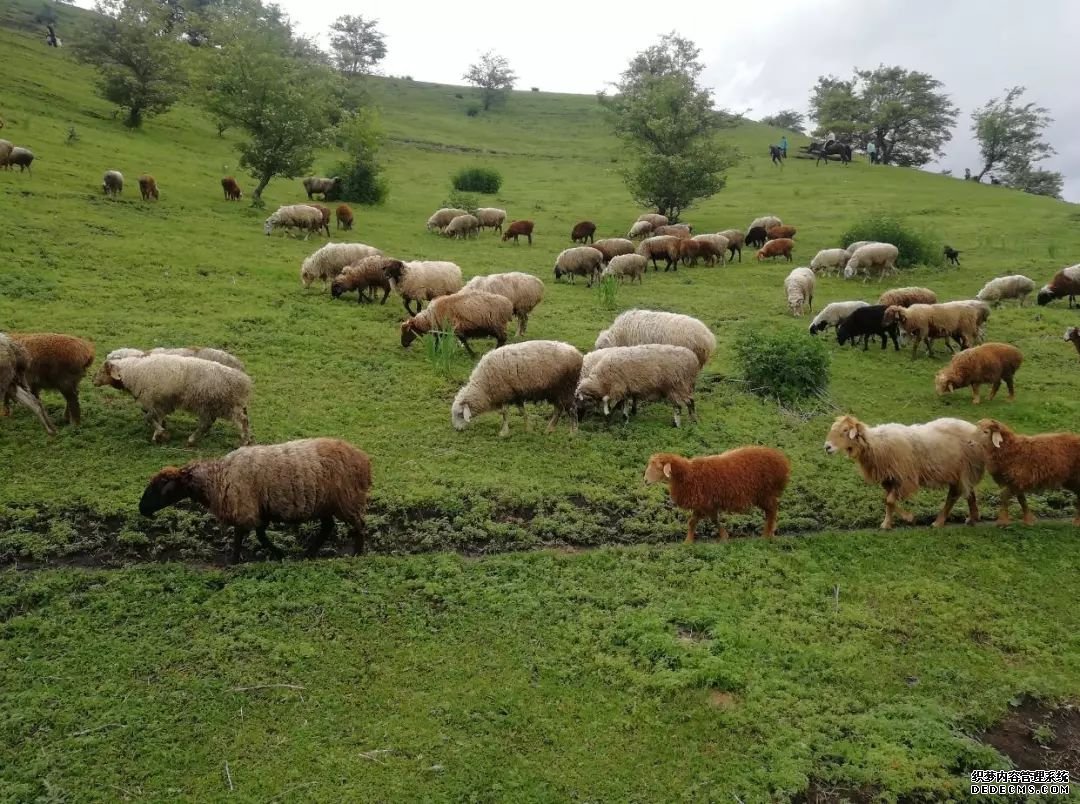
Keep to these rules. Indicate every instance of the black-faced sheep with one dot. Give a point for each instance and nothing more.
(472, 314)
(523, 290)
(1066, 282)
(990, 363)
(756, 237)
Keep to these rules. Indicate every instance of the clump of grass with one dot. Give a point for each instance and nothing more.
(440, 348)
(1052, 249)
(477, 180)
(607, 292)
(785, 366)
(916, 248)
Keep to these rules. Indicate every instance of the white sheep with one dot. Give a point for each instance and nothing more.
(858, 244)
(579, 261)
(441, 218)
(654, 218)
(636, 327)
(829, 260)
(201, 352)
(834, 314)
(632, 374)
(491, 218)
(112, 183)
(328, 261)
(462, 226)
(523, 290)
(1016, 286)
(295, 216)
(799, 290)
(877, 258)
(640, 229)
(422, 280)
(766, 222)
(627, 265)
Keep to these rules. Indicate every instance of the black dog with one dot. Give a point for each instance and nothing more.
(952, 255)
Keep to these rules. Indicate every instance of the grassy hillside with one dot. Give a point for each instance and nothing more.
(749, 669)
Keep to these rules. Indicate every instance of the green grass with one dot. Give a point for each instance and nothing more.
(523, 677)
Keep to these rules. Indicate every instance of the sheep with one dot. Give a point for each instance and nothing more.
(1066, 282)
(584, 231)
(517, 229)
(1072, 335)
(654, 218)
(829, 261)
(961, 321)
(22, 157)
(112, 183)
(328, 261)
(989, 363)
(952, 256)
(638, 327)
(776, 248)
(422, 280)
(491, 218)
(735, 240)
(975, 314)
(905, 297)
(296, 216)
(13, 363)
(231, 189)
(629, 374)
(867, 322)
(200, 352)
(765, 222)
(732, 482)
(666, 246)
(613, 247)
(6, 147)
(463, 226)
(680, 230)
(523, 290)
(777, 232)
(251, 487)
(325, 212)
(622, 266)
(852, 248)
(799, 290)
(441, 218)
(579, 261)
(534, 371)
(56, 363)
(716, 250)
(1016, 286)
(366, 274)
(148, 188)
(468, 314)
(344, 216)
(865, 259)
(905, 458)
(163, 383)
(756, 237)
(833, 315)
(689, 251)
(1020, 463)
(314, 185)
(640, 229)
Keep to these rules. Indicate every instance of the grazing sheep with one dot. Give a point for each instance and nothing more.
(491, 218)
(148, 188)
(952, 255)
(997, 290)
(613, 247)
(468, 314)
(368, 274)
(534, 371)
(905, 297)
(344, 217)
(252, 487)
(858, 244)
(989, 363)
(764, 222)
(629, 374)
(583, 231)
(463, 226)
(654, 218)
(799, 290)
(776, 248)
(689, 251)
(865, 259)
(325, 212)
(200, 352)
(163, 383)
(523, 290)
(778, 232)
(904, 458)
(735, 240)
(441, 219)
(422, 280)
(834, 314)
(6, 147)
(638, 327)
(665, 246)
(328, 261)
(21, 157)
(716, 249)
(296, 216)
(1020, 463)
(829, 261)
(732, 482)
(868, 322)
(231, 189)
(579, 261)
(313, 186)
(13, 363)
(640, 229)
(622, 266)
(1066, 282)
(756, 237)
(680, 230)
(112, 183)
(517, 229)
(56, 363)
(1072, 335)
(960, 321)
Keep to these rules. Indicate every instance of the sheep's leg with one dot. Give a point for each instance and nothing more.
(973, 509)
(721, 531)
(895, 340)
(975, 393)
(269, 546)
(554, 420)
(239, 534)
(240, 419)
(408, 309)
(691, 529)
(1029, 518)
(771, 509)
(950, 501)
(160, 433)
(890, 508)
(692, 410)
(523, 321)
(1011, 387)
(326, 529)
(359, 532)
(205, 423)
(678, 411)
(505, 431)
(28, 400)
(525, 417)
(1003, 506)
(468, 348)
(73, 413)
(386, 293)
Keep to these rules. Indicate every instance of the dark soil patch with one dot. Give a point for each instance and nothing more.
(822, 792)
(1035, 735)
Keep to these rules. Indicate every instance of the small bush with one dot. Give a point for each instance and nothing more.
(607, 292)
(477, 180)
(465, 201)
(534, 89)
(361, 182)
(459, 96)
(472, 111)
(916, 248)
(787, 365)
(441, 348)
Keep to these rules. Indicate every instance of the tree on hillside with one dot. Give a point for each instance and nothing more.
(666, 118)
(903, 112)
(787, 119)
(357, 43)
(1010, 135)
(1037, 181)
(139, 64)
(493, 76)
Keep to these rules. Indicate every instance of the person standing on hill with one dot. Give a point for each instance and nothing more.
(783, 145)
(871, 151)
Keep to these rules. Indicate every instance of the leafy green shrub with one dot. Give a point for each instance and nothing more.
(916, 248)
(361, 181)
(477, 180)
(607, 292)
(441, 348)
(465, 201)
(786, 365)
(472, 111)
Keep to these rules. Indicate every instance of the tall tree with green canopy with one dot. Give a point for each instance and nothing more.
(1010, 135)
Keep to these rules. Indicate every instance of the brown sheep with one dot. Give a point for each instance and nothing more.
(232, 189)
(735, 240)
(344, 217)
(583, 232)
(778, 232)
(989, 363)
(57, 363)
(325, 212)
(366, 274)
(148, 187)
(1072, 335)
(666, 246)
(1022, 463)
(680, 230)
(518, 228)
(1066, 282)
(733, 482)
(468, 314)
(612, 247)
(776, 248)
(905, 297)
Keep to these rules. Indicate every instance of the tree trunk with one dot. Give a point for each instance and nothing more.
(134, 118)
(263, 181)
(985, 170)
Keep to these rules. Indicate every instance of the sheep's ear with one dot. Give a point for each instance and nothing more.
(607, 409)
(667, 470)
(996, 438)
(112, 370)
(853, 433)
(466, 414)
